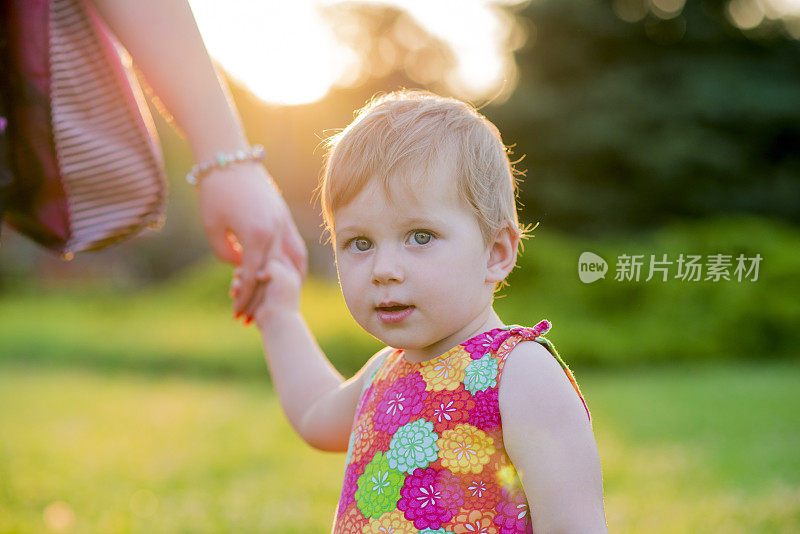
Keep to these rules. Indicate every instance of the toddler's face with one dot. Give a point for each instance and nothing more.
(413, 267)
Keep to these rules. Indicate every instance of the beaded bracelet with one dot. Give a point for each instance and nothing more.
(223, 160)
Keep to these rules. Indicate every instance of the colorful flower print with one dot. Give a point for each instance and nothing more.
(486, 414)
(379, 487)
(512, 512)
(497, 436)
(445, 372)
(393, 523)
(365, 439)
(413, 446)
(480, 491)
(349, 456)
(392, 366)
(350, 520)
(350, 485)
(366, 395)
(501, 337)
(453, 436)
(401, 402)
(430, 498)
(361, 437)
(499, 340)
(473, 522)
(505, 348)
(478, 346)
(370, 398)
(465, 449)
(481, 374)
(506, 474)
(396, 367)
(446, 409)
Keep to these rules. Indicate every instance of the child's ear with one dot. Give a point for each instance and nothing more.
(502, 254)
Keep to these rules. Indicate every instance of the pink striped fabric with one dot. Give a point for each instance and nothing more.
(105, 139)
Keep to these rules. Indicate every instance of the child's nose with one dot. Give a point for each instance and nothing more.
(386, 267)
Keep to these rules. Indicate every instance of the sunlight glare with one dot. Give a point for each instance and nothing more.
(286, 54)
(783, 8)
(477, 32)
(282, 51)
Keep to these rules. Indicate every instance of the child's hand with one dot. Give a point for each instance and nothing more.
(278, 290)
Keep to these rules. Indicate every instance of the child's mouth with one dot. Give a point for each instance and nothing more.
(393, 313)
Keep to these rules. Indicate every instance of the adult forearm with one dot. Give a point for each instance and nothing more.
(163, 39)
(300, 371)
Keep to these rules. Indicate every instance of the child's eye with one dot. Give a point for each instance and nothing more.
(420, 237)
(361, 244)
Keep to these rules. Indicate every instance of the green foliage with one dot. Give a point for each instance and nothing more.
(183, 325)
(631, 125)
(629, 322)
(625, 126)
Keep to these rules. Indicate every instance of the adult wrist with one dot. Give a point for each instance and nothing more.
(224, 161)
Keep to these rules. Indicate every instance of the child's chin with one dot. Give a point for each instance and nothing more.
(404, 343)
(395, 339)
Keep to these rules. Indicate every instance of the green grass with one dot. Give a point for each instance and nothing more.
(182, 326)
(150, 411)
(691, 448)
(141, 454)
(700, 448)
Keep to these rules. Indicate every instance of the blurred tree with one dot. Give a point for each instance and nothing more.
(678, 114)
(631, 114)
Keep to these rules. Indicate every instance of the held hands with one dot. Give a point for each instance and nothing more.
(248, 224)
(278, 290)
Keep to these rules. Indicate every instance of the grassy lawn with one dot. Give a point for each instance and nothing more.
(132, 453)
(149, 410)
(693, 448)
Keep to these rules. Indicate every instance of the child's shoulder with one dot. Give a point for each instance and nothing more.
(534, 361)
(534, 375)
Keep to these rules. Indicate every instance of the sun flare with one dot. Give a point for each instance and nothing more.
(286, 54)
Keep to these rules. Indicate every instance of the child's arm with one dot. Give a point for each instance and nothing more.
(318, 402)
(550, 441)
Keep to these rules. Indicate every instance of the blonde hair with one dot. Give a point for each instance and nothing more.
(414, 129)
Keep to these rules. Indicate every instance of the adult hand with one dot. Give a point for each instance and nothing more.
(243, 213)
(248, 223)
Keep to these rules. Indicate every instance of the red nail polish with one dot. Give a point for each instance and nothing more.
(237, 315)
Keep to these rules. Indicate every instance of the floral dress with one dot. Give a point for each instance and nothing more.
(426, 452)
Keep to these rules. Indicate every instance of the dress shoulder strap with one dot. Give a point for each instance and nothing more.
(381, 361)
(507, 339)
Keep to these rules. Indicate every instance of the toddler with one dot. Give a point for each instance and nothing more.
(461, 424)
